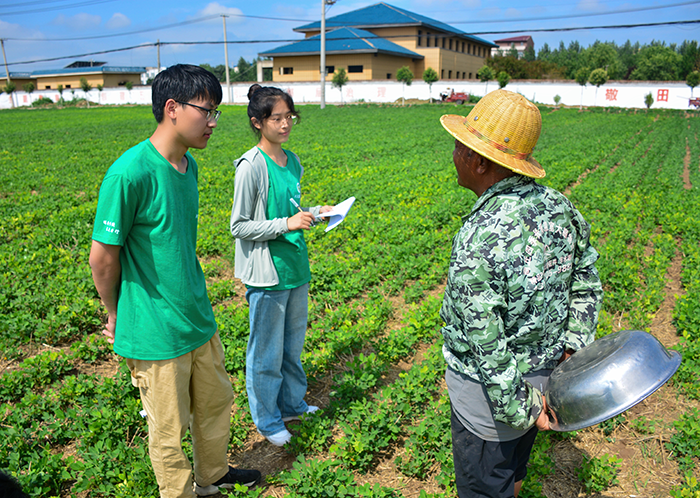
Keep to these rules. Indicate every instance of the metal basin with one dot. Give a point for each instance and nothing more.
(606, 378)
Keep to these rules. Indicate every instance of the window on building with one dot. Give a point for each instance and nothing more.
(470, 75)
(457, 75)
(449, 74)
(450, 43)
(388, 76)
(330, 69)
(462, 47)
(443, 41)
(47, 87)
(420, 36)
(355, 69)
(67, 86)
(286, 70)
(442, 74)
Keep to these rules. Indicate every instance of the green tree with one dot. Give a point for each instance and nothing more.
(512, 51)
(86, 87)
(605, 56)
(529, 53)
(503, 79)
(690, 58)
(29, 88)
(692, 81)
(657, 63)
(581, 78)
(430, 76)
(340, 79)
(628, 58)
(60, 93)
(485, 74)
(129, 85)
(218, 71)
(10, 89)
(598, 77)
(648, 100)
(405, 76)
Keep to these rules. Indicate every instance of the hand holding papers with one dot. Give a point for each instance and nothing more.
(338, 213)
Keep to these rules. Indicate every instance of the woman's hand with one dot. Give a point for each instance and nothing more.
(300, 221)
(325, 209)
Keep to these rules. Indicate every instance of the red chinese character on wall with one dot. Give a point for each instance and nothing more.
(662, 96)
(381, 91)
(611, 94)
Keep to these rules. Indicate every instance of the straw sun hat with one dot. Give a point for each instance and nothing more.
(503, 127)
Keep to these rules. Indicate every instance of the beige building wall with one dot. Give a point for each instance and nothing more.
(19, 82)
(72, 81)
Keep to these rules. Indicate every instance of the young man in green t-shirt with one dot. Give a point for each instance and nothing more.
(147, 273)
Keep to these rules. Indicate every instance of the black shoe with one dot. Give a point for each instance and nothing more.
(234, 476)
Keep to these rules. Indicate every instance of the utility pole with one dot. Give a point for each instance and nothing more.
(323, 54)
(323, 50)
(158, 45)
(228, 81)
(2, 42)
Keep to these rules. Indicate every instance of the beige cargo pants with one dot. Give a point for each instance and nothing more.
(192, 390)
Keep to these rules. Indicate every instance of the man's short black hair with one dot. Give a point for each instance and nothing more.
(183, 82)
(9, 487)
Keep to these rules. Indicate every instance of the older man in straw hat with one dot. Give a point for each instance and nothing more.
(522, 294)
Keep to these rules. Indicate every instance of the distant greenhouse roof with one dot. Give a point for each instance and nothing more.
(343, 40)
(384, 15)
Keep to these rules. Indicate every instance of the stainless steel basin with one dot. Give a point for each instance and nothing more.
(606, 378)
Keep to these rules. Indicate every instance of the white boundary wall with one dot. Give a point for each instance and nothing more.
(628, 94)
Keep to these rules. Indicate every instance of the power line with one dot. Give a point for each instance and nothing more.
(242, 42)
(57, 7)
(573, 16)
(246, 16)
(145, 30)
(157, 28)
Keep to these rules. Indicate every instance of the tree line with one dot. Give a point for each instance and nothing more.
(653, 62)
(243, 71)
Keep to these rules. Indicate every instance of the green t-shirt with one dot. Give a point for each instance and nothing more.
(289, 254)
(150, 209)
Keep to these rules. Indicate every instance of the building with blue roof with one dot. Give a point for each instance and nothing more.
(372, 43)
(69, 77)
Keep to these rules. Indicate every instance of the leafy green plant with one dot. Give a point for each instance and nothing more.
(340, 78)
(405, 76)
(648, 100)
(430, 76)
(503, 79)
(685, 442)
(599, 473)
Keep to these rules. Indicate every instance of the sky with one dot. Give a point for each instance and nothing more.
(35, 30)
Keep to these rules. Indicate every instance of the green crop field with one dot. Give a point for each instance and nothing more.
(69, 417)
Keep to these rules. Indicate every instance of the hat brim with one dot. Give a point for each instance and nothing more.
(455, 126)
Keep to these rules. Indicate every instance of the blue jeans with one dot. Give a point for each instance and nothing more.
(275, 379)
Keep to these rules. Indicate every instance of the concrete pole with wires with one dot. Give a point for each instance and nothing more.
(322, 69)
(4, 57)
(228, 80)
(323, 50)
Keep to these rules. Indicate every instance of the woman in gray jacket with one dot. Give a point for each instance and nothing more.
(272, 261)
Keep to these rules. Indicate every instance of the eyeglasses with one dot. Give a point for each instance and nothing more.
(211, 114)
(277, 120)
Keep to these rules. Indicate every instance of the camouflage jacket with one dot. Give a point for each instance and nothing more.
(522, 288)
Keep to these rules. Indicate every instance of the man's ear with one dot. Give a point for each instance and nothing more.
(170, 109)
(482, 164)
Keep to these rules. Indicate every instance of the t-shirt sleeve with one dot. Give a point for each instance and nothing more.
(115, 210)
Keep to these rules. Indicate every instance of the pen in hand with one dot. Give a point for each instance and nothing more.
(291, 199)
